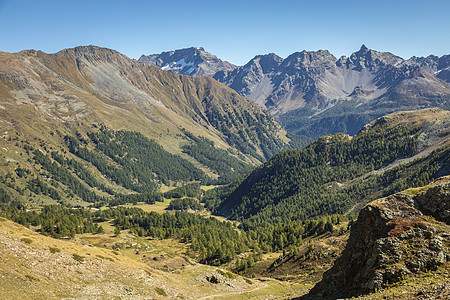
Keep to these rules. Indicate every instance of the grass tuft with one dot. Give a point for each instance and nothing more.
(78, 258)
(227, 274)
(26, 240)
(160, 291)
(103, 257)
(54, 250)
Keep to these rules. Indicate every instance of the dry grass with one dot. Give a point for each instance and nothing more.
(400, 225)
(416, 286)
(54, 269)
(158, 207)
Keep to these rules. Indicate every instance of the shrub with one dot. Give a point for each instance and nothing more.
(160, 291)
(26, 240)
(54, 250)
(78, 258)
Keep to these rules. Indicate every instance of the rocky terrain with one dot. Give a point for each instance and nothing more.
(314, 93)
(394, 238)
(193, 61)
(438, 66)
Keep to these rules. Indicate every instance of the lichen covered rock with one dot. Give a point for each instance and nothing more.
(392, 238)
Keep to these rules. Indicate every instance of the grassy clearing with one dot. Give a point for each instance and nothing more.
(158, 207)
(208, 187)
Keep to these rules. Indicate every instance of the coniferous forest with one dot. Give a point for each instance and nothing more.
(294, 195)
(328, 176)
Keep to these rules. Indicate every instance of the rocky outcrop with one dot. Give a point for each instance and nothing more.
(436, 202)
(392, 238)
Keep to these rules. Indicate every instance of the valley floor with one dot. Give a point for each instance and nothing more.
(38, 267)
(109, 266)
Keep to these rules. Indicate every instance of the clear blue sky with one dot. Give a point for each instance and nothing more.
(232, 30)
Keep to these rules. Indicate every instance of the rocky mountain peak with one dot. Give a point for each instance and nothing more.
(194, 61)
(309, 59)
(267, 63)
(89, 54)
(270, 57)
(369, 59)
(360, 54)
(363, 48)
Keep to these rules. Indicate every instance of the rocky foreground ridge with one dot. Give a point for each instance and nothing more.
(394, 238)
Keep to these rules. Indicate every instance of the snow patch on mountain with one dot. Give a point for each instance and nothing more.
(177, 65)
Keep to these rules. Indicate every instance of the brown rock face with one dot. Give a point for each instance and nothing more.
(393, 237)
(436, 202)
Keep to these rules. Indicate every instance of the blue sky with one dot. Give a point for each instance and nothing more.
(232, 30)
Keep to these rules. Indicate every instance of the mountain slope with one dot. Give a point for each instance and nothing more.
(48, 269)
(393, 239)
(92, 83)
(97, 85)
(59, 111)
(337, 173)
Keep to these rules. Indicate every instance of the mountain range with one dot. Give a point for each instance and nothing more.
(314, 93)
(82, 106)
(88, 128)
(97, 85)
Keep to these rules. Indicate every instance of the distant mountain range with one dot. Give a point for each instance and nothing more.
(313, 93)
